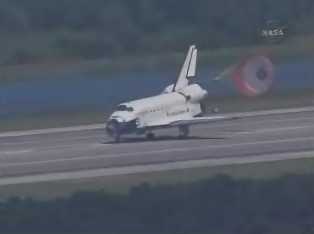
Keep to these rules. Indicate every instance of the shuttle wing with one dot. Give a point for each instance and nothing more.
(200, 120)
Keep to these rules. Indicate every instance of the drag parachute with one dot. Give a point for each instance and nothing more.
(253, 74)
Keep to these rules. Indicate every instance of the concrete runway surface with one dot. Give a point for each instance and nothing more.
(74, 150)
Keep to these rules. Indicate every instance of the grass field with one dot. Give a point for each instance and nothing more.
(122, 183)
(295, 48)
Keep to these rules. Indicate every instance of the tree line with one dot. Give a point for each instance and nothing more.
(217, 205)
(94, 29)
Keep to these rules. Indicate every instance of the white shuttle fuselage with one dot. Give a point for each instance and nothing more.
(179, 105)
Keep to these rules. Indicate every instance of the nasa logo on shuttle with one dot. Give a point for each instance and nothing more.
(177, 112)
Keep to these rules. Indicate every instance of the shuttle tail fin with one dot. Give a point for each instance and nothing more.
(188, 69)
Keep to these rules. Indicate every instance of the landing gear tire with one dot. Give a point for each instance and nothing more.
(184, 131)
(214, 111)
(117, 138)
(150, 136)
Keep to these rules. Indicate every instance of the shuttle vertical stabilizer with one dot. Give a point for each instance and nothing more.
(188, 69)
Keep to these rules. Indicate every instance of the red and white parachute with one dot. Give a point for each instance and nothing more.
(253, 74)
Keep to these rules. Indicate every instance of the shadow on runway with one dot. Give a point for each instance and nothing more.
(164, 138)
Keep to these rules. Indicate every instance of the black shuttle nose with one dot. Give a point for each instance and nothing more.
(114, 129)
(113, 126)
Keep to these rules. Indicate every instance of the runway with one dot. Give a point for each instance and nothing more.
(87, 149)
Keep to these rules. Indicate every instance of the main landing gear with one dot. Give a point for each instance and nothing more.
(184, 131)
(150, 136)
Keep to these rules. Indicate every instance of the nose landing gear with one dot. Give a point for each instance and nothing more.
(113, 130)
(116, 137)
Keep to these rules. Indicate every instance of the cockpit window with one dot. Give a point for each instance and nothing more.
(125, 108)
(122, 108)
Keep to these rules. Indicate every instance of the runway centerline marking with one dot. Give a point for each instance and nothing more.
(280, 129)
(204, 126)
(54, 140)
(274, 112)
(158, 151)
(256, 122)
(18, 152)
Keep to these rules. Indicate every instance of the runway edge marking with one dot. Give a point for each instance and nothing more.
(154, 168)
(99, 126)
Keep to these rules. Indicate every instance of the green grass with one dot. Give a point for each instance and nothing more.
(122, 183)
(53, 120)
(295, 48)
(95, 116)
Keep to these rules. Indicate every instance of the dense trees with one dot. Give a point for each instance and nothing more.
(217, 205)
(92, 29)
